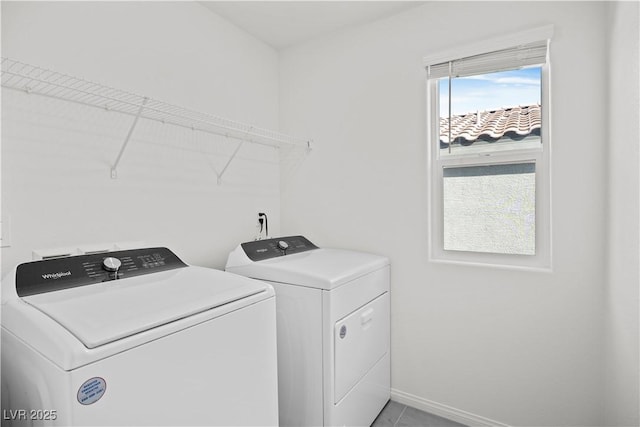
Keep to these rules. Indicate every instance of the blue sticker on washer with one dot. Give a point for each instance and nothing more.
(91, 390)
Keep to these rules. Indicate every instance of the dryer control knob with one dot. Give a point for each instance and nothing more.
(111, 264)
(282, 245)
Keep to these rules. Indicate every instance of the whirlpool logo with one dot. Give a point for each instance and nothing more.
(56, 275)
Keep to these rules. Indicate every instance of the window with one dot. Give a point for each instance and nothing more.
(489, 145)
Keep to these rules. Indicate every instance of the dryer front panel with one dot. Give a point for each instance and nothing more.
(361, 339)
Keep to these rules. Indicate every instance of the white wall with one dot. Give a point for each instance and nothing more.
(56, 157)
(516, 347)
(622, 332)
(523, 348)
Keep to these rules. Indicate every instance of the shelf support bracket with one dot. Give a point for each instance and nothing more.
(114, 171)
(229, 161)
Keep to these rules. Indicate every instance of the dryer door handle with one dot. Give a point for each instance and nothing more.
(366, 316)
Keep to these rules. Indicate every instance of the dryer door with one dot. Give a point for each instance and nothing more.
(361, 339)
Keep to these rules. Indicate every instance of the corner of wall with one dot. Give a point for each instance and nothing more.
(621, 394)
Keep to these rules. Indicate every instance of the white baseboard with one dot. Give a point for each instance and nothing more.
(444, 411)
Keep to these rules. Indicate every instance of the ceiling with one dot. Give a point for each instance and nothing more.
(282, 24)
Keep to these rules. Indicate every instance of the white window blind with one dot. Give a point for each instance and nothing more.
(501, 60)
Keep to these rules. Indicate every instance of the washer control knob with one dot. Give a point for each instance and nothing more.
(111, 264)
(282, 245)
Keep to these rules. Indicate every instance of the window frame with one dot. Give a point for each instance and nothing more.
(542, 259)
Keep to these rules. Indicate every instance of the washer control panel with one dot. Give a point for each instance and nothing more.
(69, 272)
(270, 248)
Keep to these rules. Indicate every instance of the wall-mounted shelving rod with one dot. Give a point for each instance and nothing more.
(114, 168)
(233, 155)
(36, 80)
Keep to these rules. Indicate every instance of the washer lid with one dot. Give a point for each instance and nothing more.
(318, 268)
(105, 312)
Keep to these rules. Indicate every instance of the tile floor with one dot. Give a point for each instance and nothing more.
(398, 415)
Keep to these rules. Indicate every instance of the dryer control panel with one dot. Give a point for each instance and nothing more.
(68, 272)
(270, 248)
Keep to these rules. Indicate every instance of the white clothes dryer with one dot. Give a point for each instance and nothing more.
(333, 328)
(136, 337)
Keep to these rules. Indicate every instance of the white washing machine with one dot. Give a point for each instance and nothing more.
(333, 328)
(136, 337)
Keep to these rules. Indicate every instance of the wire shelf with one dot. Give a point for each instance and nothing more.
(36, 80)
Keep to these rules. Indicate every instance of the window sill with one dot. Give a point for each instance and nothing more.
(492, 265)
